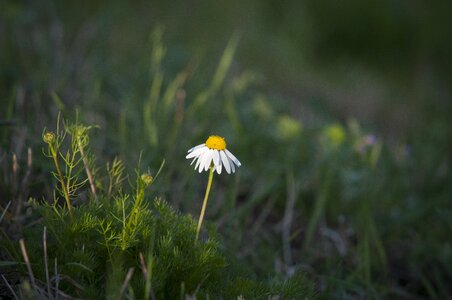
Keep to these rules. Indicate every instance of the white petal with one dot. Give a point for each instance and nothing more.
(232, 165)
(194, 160)
(219, 167)
(204, 160)
(225, 161)
(234, 159)
(196, 152)
(209, 160)
(199, 157)
(216, 158)
(199, 160)
(195, 147)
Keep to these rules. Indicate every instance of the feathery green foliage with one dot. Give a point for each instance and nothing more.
(94, 244)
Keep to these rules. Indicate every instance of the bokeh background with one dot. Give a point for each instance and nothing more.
(386, 64)
(338, 110)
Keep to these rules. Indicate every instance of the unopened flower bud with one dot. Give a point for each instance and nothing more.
(147, 179)
(48, 137)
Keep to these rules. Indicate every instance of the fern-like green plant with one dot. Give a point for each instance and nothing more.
(119, 242)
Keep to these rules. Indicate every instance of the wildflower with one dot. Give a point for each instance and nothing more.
(213, 151)
(48, 137)
(212, 154)
(147, 179)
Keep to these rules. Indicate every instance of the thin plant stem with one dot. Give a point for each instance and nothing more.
(57, 278)
(292, 191)
(60, 174)
(204, 204)
(319, 208)
(10, 287)
(27, 262)
(125, 283)
(46, 264)
(87, 170)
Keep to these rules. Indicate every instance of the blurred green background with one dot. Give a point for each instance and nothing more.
(338, 110)
(384, 63)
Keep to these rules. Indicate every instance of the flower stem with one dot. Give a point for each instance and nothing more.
(204, 204)
(62, 181)
(88, 172)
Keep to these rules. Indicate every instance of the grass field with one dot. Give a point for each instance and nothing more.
(338, 113)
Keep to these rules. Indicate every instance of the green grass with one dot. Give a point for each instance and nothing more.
(323, 206)
(92, 242)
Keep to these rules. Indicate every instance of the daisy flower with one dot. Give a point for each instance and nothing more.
(213, 151)
(211, 155)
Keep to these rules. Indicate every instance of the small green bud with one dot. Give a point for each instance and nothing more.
(80, 131)
(147, 179)
(48, 137)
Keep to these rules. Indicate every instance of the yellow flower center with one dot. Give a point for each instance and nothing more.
(216, 142)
